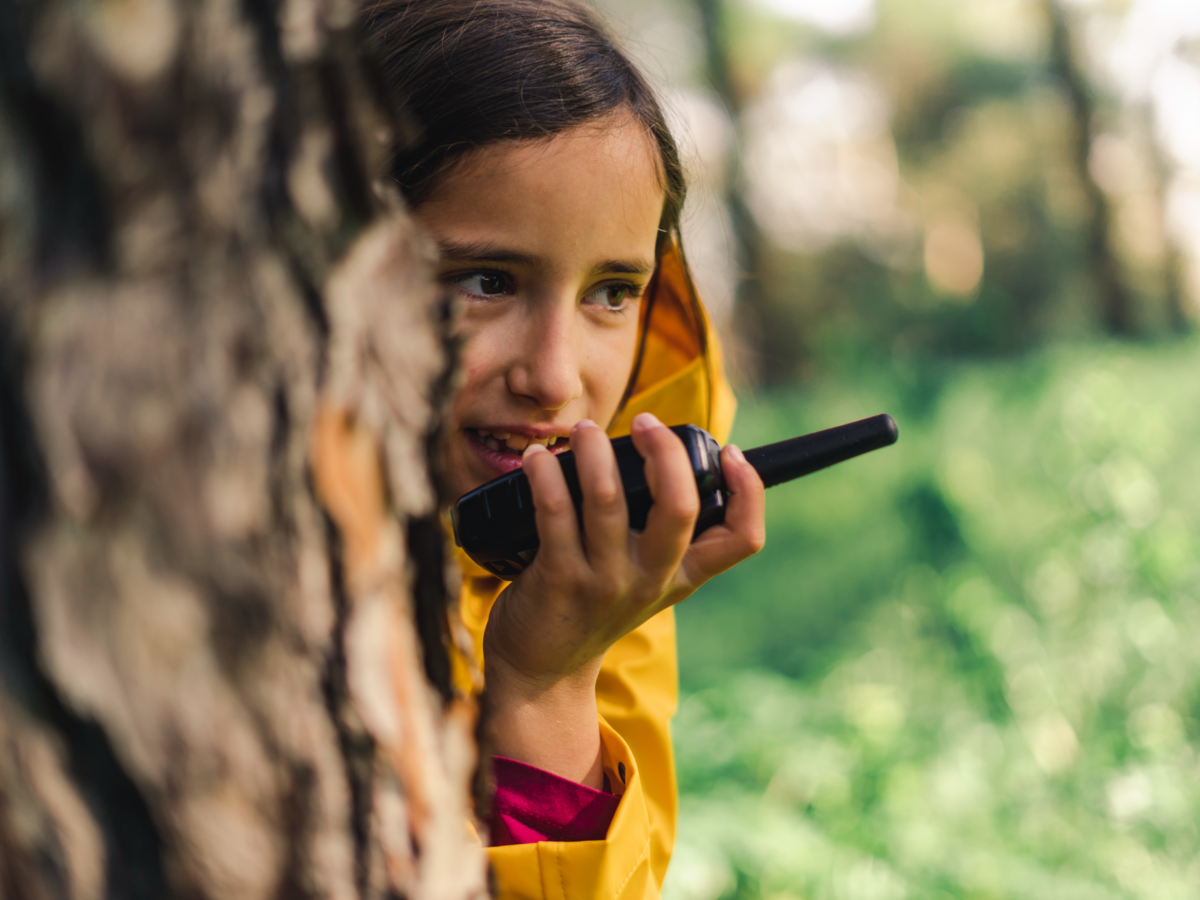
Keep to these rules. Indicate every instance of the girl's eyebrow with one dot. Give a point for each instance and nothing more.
(480, 251)
(624, 267)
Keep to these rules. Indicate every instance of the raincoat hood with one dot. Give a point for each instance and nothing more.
(681, 376)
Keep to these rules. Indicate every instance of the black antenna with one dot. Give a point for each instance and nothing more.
(777, 463)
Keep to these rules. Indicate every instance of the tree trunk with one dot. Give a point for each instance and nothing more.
(1116, 302)
(754, 318)
(225, 631)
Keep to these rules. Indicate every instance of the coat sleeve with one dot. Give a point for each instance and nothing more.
(636, 694)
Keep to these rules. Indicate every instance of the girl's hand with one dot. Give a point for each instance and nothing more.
(549, 630)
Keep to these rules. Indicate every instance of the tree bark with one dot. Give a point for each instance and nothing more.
(226, 629)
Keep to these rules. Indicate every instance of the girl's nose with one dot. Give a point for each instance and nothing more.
(546, 368)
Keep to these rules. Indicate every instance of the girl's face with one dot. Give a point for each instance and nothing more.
(550, 246)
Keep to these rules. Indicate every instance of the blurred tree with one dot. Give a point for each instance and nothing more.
(224, 662)
(1115, 300)
(966, 217)
(756, 317)
(1174, 267)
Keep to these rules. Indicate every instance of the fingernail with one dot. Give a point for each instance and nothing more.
(736, 452)
(583, 423)
(645, 421)
(532, 449)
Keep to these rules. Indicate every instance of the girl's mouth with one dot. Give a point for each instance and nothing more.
(504, 442)
(501, 451)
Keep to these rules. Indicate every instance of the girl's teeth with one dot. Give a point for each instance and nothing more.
(500, 440)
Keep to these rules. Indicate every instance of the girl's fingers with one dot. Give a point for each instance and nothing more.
(673, 486)
(747, 499)
(605, 516)
(743, 532)
(554, 511)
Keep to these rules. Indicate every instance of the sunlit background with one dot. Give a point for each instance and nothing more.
(969, 665)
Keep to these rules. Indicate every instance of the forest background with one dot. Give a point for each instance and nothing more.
(965, 666)
(962, 667)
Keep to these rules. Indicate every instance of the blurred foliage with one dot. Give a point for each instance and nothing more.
(964, 666)
(981, 129)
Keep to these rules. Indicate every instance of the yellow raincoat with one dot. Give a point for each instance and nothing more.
(681, 380)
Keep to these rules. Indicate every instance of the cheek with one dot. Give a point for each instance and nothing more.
(479, 353)
(477, 367)
(606, 369)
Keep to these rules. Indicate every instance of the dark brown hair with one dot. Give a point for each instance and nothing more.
(475, 72)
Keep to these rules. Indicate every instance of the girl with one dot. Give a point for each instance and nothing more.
(546, 174)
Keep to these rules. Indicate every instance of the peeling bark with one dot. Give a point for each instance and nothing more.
(225, 632)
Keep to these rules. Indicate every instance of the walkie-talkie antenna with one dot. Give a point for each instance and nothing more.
(793, 458)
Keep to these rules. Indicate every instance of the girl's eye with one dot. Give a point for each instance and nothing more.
(483, 284)
(613, 297)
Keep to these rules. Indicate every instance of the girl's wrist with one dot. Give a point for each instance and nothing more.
(551, 724)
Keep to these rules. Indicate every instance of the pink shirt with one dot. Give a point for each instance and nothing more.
(534, 805)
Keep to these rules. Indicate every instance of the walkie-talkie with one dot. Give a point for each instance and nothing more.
(495, 523)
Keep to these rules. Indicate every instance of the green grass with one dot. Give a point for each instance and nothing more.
(967, 665)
